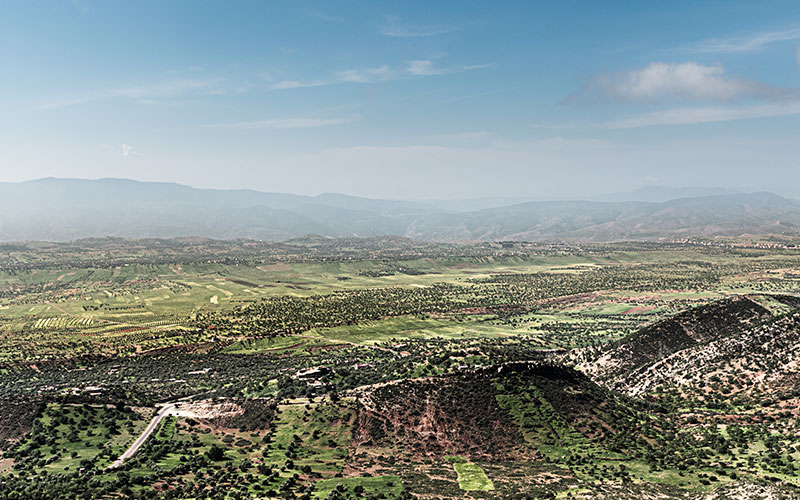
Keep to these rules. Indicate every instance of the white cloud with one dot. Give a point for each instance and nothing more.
(367, 75)
(362, 75)
(128, 150)
(747, 43)
(426, 67)
(384, 73)
(171, 87)
(686, 116)
(288, 123)
(660, 81)
(423, 68)
(297, 84)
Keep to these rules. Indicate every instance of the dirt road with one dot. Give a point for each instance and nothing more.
(163, 412)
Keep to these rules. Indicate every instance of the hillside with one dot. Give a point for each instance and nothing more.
(745, 346)
(514, 410)
(68, 209)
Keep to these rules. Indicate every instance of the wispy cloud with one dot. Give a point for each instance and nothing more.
(361, 75)
(384, 73)
(128, 150)
(396, 29)
(426, 67)
(297, 84)
(172, 87)
(322, 16)
(687, 116)
(288, 123)
(367, 75)
(747, 43)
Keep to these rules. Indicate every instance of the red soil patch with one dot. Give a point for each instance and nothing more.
(638, 309)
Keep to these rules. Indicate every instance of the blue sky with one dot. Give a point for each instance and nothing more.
(404, 99)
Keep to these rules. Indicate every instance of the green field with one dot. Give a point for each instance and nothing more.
(470, 475)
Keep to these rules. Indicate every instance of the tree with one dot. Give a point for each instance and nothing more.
(215, 453)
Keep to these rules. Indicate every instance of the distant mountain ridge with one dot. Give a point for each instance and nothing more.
(67, 209)
(658, 194)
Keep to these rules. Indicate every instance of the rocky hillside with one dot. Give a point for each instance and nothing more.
(738, 491)
(511, 411)
(747, 345)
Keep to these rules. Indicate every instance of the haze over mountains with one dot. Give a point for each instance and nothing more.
(67, 209)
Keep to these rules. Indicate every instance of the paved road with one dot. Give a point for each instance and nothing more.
(163, 412)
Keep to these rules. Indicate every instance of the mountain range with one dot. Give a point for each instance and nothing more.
(66, 209)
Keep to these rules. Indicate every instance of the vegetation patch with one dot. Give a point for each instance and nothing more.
(471, 477)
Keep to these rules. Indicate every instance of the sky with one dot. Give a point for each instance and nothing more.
(414, 100)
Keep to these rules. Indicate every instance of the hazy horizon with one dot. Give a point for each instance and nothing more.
(597, 196)
(396, 100)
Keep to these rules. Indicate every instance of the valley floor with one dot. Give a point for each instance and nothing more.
(382, 368)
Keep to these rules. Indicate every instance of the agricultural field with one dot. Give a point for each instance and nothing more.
(388, 368)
